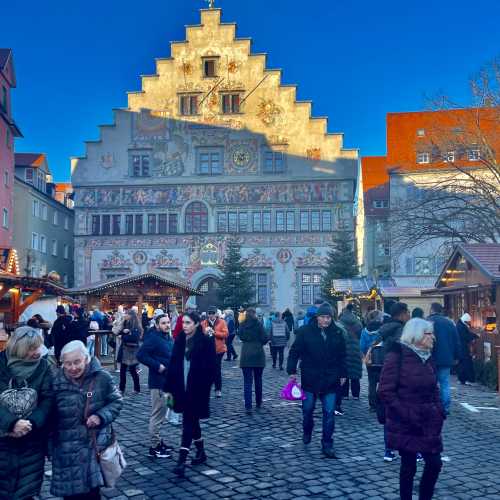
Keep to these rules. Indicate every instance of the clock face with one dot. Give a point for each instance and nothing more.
(241, 157)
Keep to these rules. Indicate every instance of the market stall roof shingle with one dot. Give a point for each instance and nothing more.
(163, 278)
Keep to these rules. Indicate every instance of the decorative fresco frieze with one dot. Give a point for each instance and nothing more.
(311, 258)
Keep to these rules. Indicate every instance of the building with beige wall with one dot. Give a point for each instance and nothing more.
(213, 145)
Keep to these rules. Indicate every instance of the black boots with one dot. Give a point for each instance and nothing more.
(201, 456)
(181, 462)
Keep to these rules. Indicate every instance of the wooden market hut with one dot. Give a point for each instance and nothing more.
(151, 288)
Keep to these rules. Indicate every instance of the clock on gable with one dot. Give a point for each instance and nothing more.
(242, 157)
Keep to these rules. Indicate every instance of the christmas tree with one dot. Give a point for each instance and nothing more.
(236, 285)
(341, 263)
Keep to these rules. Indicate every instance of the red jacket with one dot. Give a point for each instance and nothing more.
(178, 327)
(221, 334)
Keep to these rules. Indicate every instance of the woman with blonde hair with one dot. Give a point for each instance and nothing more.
(25, 404)
(414, 414)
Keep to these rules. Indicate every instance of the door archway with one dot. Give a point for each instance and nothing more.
(208, 287)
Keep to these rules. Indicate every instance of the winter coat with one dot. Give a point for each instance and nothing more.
(351, 323)
(310, 314)
(279, 333)
(354, 364)
(75, 470)
(22, 459)
(60, 333)
(253, 337)
(447, 345)
(156, 350)
(389, 334)
(127, 354)
(221, 334)
(78, 330)
(231, 325)
(368, 335)
(288, 317)
(414, 414)
(322, 362)
(192, 398)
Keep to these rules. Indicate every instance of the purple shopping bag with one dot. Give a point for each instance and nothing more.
(292, 391)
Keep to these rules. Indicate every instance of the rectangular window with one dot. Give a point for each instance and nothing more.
(262, 289)
(117, 222)
(423, 266)
(274, 162)
(34, 241)
(290, 221)
(96, 225)
(188, 105)
(145, 165)
(54, 248)
(243, 222)
(28, 175)
(326, 220)
(162, 224)
(140, 166)
(473, 154)
(449, 157)
(44, 211)
(280, 220)
(209, 161)
(55, 218)
(315, 225)
(34, 208)
(232, 219)
(230, 103)
(151, 224)
(5, 218)
(380, 203)
(423, 157)
(256, 222)
(304, 220)
(106, 225)
(209, 67)
(43, 244)
(66, 251)
(129, 224)
(266, 221)
(221, 222)
(173, 223)
(311, 287)
(66, 222)
(138, 224)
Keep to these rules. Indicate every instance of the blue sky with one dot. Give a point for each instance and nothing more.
(356, 60)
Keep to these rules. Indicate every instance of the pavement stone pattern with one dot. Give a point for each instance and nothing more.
(262, 455)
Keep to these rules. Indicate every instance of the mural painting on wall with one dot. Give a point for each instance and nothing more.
(269, 113)
(314, 155)
(242, 157)
(163, 261)
(284, 255)
(116, 260)
(169, 157)
(312, 258)
(174, 196)
(258, 259)
(107, 160)
(140, 258)
(148, 128)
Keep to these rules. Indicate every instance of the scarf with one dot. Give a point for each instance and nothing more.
(423, 354)
(22, 369)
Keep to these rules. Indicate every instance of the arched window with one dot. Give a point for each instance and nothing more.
(196, 218)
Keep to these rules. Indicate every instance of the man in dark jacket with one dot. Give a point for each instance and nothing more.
(60, 330)
(446, 351)
(466, 336)
(390, 331)
(320, 348)
(155, 353)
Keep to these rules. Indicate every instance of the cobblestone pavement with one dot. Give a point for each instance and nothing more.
(262, 455)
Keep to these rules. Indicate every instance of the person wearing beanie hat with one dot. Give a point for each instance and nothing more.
(60, 330)
(320, 348)
(465, 369)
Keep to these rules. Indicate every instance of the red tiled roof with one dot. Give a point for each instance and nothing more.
(66, 187)
(375, 172)
(29, 159)
(485, 255)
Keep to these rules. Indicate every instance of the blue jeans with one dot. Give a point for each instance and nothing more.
(249, 375)
(443, 376)
(328, 403)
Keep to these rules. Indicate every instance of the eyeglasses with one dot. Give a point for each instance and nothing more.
(429, 333)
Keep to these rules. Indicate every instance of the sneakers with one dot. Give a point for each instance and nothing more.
(166, 447)
(339, 412)
(159, 452)
(389, 456)
(328, 452)
(420, 458)
(218, 394)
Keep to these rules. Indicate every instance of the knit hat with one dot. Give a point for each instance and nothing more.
(325, 309)
(60, 309)
(466, 318)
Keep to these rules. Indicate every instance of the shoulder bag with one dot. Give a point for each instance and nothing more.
(20, 402)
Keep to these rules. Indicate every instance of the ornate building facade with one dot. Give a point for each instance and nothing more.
(212, 146)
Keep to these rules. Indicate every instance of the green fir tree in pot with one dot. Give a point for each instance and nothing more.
(340, 264)
(236, 287)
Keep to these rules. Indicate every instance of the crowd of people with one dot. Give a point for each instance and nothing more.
(57, 401)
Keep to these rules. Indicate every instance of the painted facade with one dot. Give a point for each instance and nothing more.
(214, 145)
(44, 239)
(8, 130)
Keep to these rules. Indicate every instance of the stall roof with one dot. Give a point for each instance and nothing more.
(29, 282)
(387, 287)
(163, 278)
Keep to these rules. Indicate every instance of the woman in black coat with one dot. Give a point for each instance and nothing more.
(189, 379)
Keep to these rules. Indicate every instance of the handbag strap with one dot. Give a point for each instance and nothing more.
(93, 434)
